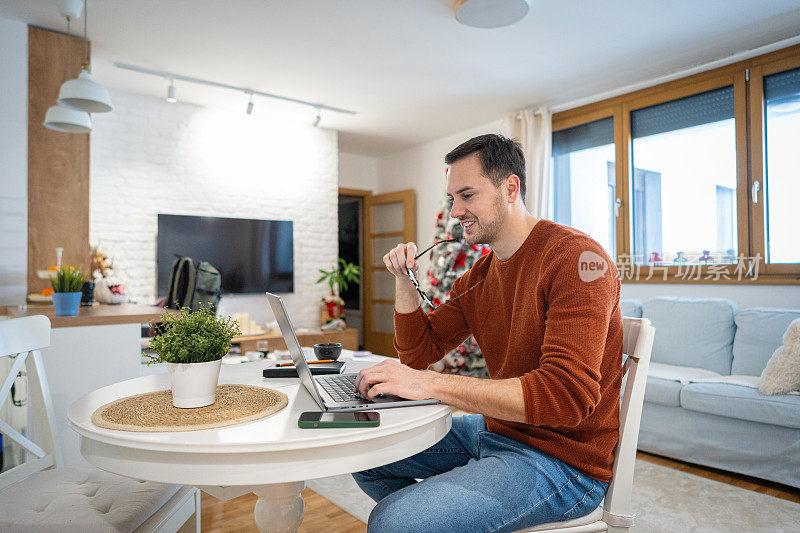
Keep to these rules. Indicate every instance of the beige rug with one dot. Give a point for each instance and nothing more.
(665, 501)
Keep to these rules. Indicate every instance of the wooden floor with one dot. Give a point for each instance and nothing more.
(236, 516)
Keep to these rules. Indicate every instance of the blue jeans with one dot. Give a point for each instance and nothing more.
(475, 480)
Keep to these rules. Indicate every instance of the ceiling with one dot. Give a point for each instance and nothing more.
(409, 69)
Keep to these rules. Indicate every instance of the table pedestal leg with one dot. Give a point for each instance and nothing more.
(280, 507)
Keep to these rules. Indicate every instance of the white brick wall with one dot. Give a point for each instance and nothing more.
(150, 157)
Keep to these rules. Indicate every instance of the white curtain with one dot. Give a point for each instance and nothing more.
(533, 128)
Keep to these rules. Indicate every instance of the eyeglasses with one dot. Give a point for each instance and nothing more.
(422, 294)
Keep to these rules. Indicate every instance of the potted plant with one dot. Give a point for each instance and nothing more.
(338, 279)
(67, 285)
(192, 344)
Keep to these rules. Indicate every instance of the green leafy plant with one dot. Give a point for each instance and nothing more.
(342, 274)
(67, 279)
(192, 337)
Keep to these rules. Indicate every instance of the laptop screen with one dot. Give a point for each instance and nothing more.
(293, 345)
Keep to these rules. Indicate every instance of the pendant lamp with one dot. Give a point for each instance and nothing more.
(60, 118)
(83, 93)
(67, 120)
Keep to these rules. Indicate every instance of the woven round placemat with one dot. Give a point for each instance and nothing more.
(153, 411)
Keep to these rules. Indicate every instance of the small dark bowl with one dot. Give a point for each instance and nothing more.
(328, 350)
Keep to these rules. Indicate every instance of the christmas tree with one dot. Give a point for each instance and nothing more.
(447, 263)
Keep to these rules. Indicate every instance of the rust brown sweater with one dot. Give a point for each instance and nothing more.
(535, 318)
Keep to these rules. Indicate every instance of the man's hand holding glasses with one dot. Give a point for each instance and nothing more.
(402, 262)
(402, 259)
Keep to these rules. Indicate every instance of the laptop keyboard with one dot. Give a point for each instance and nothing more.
(341, 388)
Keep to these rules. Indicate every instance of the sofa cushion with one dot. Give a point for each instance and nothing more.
(759, 332)
(631, 307)
(744, 403)
(694, 332)
(663, 392)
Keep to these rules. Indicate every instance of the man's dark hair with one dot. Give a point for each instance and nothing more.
(500, 157)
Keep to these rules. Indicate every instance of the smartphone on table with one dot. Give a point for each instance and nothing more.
(360, 419)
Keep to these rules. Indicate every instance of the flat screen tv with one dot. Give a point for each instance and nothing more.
(252, 255)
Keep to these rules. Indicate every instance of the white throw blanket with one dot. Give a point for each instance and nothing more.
(689, 374)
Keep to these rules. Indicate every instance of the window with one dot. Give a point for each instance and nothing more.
(692, 181)
(684, 181)
(583, 171)
(782, 165)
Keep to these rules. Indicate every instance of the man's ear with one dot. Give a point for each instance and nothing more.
(512, 188)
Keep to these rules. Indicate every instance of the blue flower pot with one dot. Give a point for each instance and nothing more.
(66, 303)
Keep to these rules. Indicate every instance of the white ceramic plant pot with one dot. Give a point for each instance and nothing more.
(194, 384)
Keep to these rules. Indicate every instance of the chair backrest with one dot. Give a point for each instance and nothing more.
(637, 344)
(22, 339)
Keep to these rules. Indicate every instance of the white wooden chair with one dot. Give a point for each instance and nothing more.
(43, 495)
(615, 514)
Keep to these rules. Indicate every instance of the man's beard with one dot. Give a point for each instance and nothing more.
(487, 230)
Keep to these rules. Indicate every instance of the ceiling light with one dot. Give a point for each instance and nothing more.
(210, 83)
(61, 118)
(67, 120)
(490, 13)
(171, 93)
(83, 93)
(318, 117)
(70, 8)
(250, 105)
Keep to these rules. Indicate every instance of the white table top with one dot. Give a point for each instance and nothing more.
(270, 450)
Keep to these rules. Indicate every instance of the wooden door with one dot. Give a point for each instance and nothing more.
(390, 220)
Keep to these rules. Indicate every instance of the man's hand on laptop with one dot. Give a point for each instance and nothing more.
(391, 377)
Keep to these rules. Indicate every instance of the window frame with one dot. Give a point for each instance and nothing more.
(757, 211)
(746, 77)
(615, 113)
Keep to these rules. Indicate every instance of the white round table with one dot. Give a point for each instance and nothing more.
(270, 457)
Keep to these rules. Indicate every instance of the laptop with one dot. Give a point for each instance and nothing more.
(333, 392)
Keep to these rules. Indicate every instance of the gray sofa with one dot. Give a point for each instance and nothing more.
(701, 404)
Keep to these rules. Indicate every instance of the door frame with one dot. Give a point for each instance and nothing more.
(363, 193)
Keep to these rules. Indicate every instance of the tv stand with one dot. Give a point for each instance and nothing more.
(348, 338)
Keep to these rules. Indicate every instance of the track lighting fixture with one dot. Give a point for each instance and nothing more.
(171, 93)
(172, 76)
(318, 117)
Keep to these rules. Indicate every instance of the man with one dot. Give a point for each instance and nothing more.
(544, 308)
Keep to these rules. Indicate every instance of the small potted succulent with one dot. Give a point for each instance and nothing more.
(67, 285)
(192, 344)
